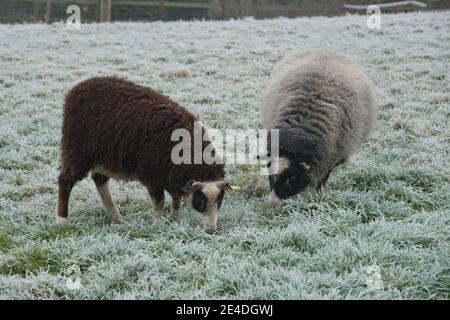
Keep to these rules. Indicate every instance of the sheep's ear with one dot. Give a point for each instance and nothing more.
(305, 166)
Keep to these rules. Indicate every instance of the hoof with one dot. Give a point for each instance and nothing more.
(115, 215)
(156, 221)
(61, 220)
(273, 200)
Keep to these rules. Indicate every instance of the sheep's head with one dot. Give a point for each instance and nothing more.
(205, 199)
(287, 178)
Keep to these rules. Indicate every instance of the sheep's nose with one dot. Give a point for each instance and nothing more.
(211, 229)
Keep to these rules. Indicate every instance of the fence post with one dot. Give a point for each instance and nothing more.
(224, 8)
(103, 10)
(48, 11)
(36, 7)
(162, 11)
(215, 9)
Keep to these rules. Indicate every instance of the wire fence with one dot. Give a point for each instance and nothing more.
(151, 10)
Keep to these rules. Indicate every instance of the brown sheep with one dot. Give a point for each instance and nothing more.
(118, 129)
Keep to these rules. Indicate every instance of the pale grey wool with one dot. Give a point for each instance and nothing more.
(320, 96)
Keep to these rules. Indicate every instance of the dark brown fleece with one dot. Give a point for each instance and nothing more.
(126, 128)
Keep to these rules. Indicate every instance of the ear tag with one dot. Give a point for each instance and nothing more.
(230, 188)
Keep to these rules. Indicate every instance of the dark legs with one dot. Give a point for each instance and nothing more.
(66, 182)
(102, 184)
(342, 161)
(64, 188)
(157, 196)
(176, 205)
(71, 171)
(323, 180)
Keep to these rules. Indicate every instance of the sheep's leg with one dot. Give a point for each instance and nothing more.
(321, 183)
(74, 166)
(64, 188)
(323, 180)
(176, 205)
(340, 162)
(102, 184)
(158, 201)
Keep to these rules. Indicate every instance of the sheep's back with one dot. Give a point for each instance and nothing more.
(119, 124)
(324, 92)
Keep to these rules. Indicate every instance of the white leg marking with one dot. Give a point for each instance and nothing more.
(61, 220)
(159, 210)
(175, 206)
(158, 213)
(156, 219)
(108, 201)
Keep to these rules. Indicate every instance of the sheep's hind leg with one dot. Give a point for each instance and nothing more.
(64, 188)
(102, 184)
(158, 201)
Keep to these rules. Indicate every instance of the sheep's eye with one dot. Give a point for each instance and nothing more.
(199, 201)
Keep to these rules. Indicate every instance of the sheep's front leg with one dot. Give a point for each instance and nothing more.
(323, 180)
(176, 205)
(158, 201)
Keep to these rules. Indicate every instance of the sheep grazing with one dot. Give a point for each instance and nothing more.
(324, 108)
(118, 129)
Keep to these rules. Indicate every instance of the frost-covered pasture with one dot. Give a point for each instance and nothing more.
(380, 229)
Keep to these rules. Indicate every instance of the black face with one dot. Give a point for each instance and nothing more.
(290, 182)
(199, 201)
